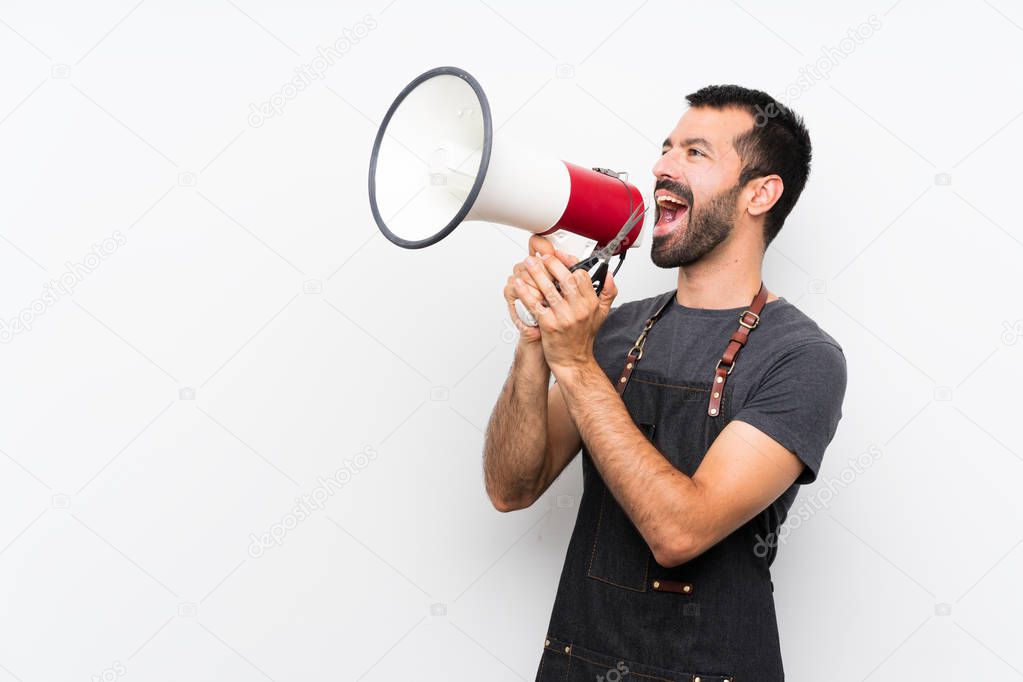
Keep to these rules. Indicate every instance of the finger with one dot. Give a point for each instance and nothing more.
(521, 272)
(545, 284)
(568, 280)
(585, 284)
(609, 292)
(541, 244)
(533, 301)
(566, 258)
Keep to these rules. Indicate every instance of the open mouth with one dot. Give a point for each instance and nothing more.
(671, 209)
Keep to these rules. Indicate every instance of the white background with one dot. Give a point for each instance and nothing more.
(254, 332)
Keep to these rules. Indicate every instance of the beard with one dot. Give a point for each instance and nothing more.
(705, 229)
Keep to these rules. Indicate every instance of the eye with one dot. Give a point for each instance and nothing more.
(696, 152)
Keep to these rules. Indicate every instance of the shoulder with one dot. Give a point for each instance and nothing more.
(791, 329)
(792, 343)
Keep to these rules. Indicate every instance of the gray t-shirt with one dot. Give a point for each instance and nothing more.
(789, 379)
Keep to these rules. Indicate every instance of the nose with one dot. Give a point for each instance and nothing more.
(667, 167)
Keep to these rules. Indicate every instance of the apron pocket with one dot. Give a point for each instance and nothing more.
(620, 555)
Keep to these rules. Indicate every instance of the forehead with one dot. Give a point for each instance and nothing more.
(718, 126)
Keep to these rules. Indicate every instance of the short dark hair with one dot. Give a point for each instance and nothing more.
(778, 143)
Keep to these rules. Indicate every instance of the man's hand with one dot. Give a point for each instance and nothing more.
(537, 245)
(569, 321)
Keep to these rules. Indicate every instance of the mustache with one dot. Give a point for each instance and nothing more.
(676, 188)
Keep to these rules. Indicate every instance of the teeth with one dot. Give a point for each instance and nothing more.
(663, 199)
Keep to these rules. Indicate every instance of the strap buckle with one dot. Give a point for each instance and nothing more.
(744, 323)
(637, 347)
(718, 366)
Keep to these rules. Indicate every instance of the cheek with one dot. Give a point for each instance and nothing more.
(704, 186)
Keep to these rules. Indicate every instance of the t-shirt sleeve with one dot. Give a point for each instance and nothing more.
(799, 402)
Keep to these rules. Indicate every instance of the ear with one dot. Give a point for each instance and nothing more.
(766, 192)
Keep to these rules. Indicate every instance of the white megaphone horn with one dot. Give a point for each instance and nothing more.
(436, 164)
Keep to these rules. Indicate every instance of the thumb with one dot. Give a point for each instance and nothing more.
(609, 292)
(541, 244)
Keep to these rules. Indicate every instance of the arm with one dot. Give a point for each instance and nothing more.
(530, 437)
(678, 516)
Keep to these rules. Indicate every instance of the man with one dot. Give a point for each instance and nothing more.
(692, 450)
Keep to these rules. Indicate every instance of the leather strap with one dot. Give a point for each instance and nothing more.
(636, 352)
(748, 321)
(672, 586)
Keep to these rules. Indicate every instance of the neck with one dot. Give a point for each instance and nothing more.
(728, 277)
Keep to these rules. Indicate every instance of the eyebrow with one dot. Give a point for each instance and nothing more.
(689, 142)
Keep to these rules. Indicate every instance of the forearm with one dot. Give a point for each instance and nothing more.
(661, 501)
(516, 439)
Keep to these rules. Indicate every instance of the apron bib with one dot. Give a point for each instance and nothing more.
(618, 613)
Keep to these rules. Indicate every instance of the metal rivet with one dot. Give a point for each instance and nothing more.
(547, 642)
(717, 394)
(629, 365)
(719, 380)
(657, 584)
(696, 679)
(568, 649)
(687, 589)
(622, 380)
(713, 411)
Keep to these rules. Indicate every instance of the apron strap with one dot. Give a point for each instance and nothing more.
(748, 321)
(636, 352)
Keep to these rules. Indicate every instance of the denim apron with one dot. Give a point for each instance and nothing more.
(618, 614)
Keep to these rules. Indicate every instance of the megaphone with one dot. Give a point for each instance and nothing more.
(436, 164)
